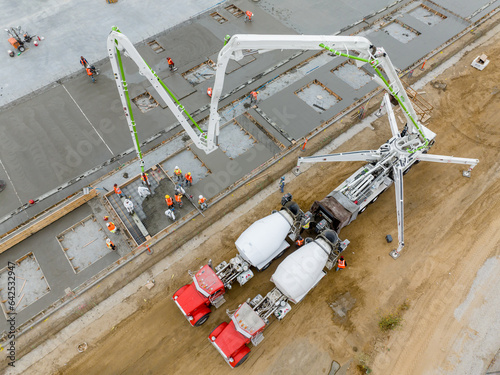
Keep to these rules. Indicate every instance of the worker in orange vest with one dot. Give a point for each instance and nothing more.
(178, 174)
(202, 201)
(170, 64)
(299, 242)
(178, 199)
(341, 263)
(144, 179)
(253, 97)
(209, 91)
(110, 244)
(189, 179)
(112, 227)
(248, 16)
(117, 190)
(170, 202)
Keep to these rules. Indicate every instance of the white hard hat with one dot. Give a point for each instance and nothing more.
(108, 240)
(176, 167)
(201, 196)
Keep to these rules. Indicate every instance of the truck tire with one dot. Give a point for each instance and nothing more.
(265, 267)
(202, 320)
(242, 360)
(21, 48)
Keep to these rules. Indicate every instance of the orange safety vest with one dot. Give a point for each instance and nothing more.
(178, 198)
(170, 62)
(249, 14)
(178, 172)
(189, 177)
(89, 71)
(209, 91)
(144, 177)
(169, 201)
(254, 94)
(110, 244)
(117, 190)
(202, 200)
(341, 263)
(300, 242)
(111, 226)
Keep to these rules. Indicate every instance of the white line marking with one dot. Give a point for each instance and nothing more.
(88, 120)
(15, 191)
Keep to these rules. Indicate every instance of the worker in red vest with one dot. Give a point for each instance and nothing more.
(209, 91)
(248, 16)
(341, 263)
(144, 179)
(110, 244)
(170, 202)
(253, 97)
(202, 201)
(117, 190)
(178, 199)
(189, 179)
(170, 64)
(299, 242)
(112, 227)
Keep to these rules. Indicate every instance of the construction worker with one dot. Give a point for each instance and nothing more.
(170, 202)
(179, 190)
(110, 244)
(341, 263)
(143, 191)
(112, 227)
(248, 16)
(202, 201)
(170, 214)
(144, 179)
(299, 242)
(129, 206)
(226, 39)
(209, 91)
(178, 174)
(253, 97)
(117, 190)
(178, 199)
(282, 184)
(189, 179)
(171, 65)
(84, 62)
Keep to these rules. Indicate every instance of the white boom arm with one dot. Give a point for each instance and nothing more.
(117, 43)
(340, 45)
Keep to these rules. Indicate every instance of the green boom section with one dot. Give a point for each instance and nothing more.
(374, 64)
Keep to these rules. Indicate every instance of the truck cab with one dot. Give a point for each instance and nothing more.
(194, 299)
(231, 339)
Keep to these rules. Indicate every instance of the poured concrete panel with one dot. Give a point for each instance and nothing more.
(233, 141)
(30, 283)
(399, 32)
(318, 96)
(463, 8)
(199, 74)
(187, 162)
(352, 75)
(426, 16)
(84, 243)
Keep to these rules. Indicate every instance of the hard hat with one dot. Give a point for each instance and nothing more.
(201, 196)
(228, 36)
(176, 167)
(189, 173)
(108, 224)
(167, 196)
(108, 240)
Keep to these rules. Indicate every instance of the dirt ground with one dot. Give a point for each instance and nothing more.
(451, 230)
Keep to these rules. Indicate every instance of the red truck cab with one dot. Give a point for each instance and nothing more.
(231, 339)
(194, 299)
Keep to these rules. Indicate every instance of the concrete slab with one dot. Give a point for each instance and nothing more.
(30, 284)
(463, 8)
(84, 243)
(55, 58)
(234, 141)
(56, 269)
(352, 75)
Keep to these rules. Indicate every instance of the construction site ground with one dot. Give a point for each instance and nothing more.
(447, 278)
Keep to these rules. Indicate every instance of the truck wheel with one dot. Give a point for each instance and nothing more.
(242, 360)
(374, 199)
(362, 210)
(279, 255)
(265, 267)
(202, 320)
(21, 48)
